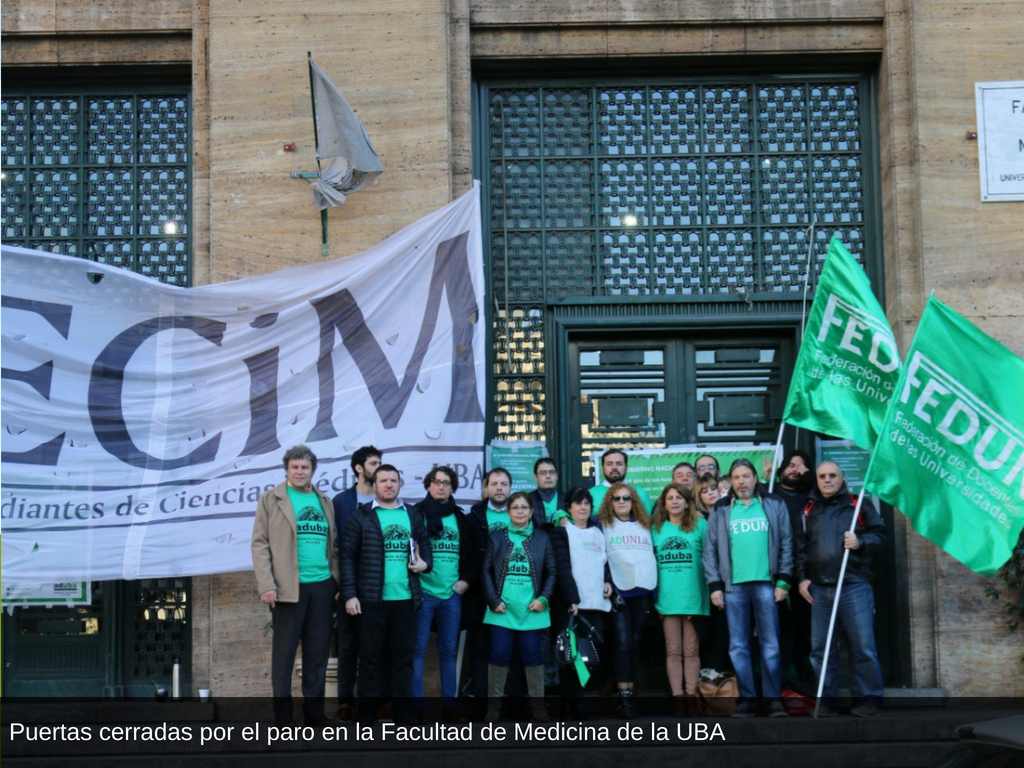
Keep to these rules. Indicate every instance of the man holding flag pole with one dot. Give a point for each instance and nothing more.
(817, 567)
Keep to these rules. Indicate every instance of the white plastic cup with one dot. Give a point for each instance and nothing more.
(204, 694)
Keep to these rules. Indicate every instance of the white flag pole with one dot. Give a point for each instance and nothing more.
(835, 608)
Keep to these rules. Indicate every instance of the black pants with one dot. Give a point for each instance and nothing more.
(714, 641)
(348, 653)
(308, 620)
(389, 626)
(628, 623)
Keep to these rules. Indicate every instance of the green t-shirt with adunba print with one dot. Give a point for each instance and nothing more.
(748, 542)
(444, 547)
(682, 588)
(311, 534)
(394, 524)
(517, 591)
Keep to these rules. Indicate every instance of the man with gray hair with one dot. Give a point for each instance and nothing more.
(296, 564)
(748, 559)
(827, 520)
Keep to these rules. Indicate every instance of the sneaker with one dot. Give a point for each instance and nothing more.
(864, 710)
(777, 709)
(745, 710)
(825, 710)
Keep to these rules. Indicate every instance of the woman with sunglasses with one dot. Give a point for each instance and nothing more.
(627, 537)
(584, 588)
(682, 600)
(519, 579)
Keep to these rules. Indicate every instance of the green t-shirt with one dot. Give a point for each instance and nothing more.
(497, 519)
(444, 547)
(682, 588)
(517, 591)
(748, 542)
(394, 524)
(550, 508)
(312, 533)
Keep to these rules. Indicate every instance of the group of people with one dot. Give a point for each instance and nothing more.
(516, 569)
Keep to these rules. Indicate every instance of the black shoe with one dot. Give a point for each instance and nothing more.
(320, 720)
(285, 721)
(625, 708)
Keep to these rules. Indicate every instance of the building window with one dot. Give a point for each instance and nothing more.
(668, 192)
(103, 176)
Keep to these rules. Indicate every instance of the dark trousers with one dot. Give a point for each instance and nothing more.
(308, 620)
(348, 653)
(390, 625)
(628, 623)
(714, 641)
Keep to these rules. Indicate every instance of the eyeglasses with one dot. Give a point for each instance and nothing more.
(702, 467)
(520, 508)
(547, 471)
(622, 498)
(442, 483)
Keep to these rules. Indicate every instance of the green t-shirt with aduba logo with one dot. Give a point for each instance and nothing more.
(311, 534)
(394, 524)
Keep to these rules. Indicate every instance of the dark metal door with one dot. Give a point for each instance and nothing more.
(673, 387)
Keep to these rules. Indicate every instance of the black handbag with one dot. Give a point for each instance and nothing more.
(588, 638)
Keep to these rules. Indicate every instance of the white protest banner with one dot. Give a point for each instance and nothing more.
(143, 421)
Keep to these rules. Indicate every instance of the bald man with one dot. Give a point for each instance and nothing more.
(827, 519)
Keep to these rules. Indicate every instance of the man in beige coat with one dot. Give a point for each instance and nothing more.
(296, 563)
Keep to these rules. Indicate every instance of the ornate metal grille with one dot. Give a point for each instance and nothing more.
(672, 192)
(101, 176)
(160, 627)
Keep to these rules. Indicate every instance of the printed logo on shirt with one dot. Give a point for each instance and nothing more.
(447, 540)
(518, 563)
(747, 526)
(675, 550)
(311, 520)
(396, 539)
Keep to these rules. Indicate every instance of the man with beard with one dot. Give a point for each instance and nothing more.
(365, 461)
(795, 480)
(748, 562)
(384, 550)
(829, 515)
(614, 466)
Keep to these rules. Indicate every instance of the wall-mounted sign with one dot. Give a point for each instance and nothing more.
(1001, 140)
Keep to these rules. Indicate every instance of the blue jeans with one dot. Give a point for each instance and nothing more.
(856, 616)
(757, 598)
(449, 621)
(502, 640)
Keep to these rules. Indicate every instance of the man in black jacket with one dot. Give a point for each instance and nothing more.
(384, 550)
(828, 518)
(365, 461)
(795, 481)
(545, 497)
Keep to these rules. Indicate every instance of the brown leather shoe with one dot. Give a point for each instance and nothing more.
(345, 713)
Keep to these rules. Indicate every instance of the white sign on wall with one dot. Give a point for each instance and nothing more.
(1001, 140)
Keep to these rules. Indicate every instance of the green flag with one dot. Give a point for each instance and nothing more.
(951, 452)
(848, 364)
